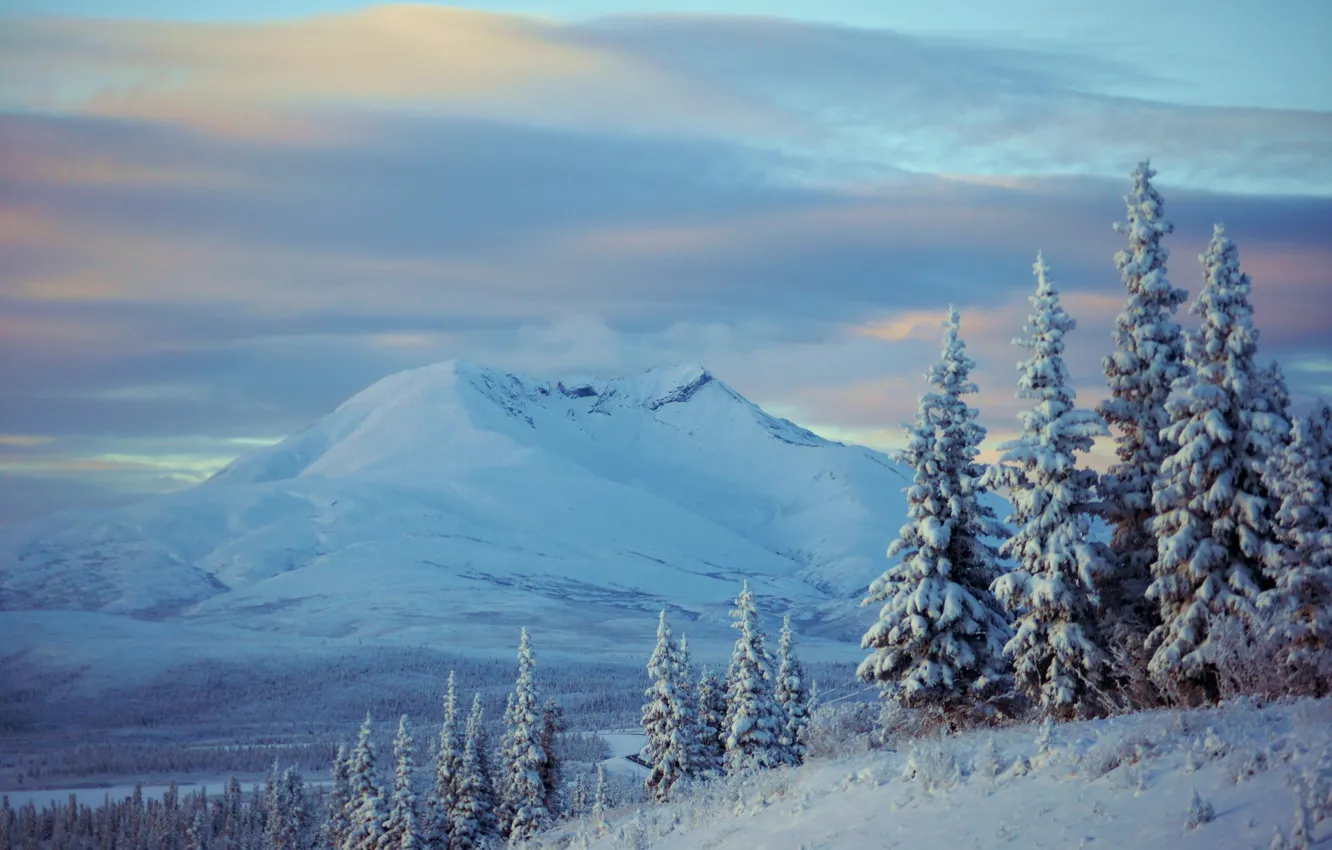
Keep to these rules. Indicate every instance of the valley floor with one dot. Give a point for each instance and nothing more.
(1127, 782)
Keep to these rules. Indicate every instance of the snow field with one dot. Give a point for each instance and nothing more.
(1126, 782)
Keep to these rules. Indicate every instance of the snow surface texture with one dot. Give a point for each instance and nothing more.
(452, 504)
(1128, 782)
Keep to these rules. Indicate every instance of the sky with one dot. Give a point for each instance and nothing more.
(220, 220)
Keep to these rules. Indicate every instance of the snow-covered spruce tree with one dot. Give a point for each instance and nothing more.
(1299, 607)
(753, 726)
(339, 796)
(527, 798)
(662, 716)
(365, 809)
(196, 838)
(938, 643)
(1056, 651)
(1213, 507)
(691, 742)
(401, 831)
(601, 803)
(503, 796)
(1148, 359)
(711, 702)
(276, 806)
(448, 764)
(472, 818)
(792, 695)
(552, 726)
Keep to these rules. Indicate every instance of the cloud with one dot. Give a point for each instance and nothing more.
(826, 104)
(277, 81)
(792, 205)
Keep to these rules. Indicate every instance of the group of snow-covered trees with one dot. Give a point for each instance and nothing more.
(280, 814)
(471, 802)
(1218, 508)
(705, 728)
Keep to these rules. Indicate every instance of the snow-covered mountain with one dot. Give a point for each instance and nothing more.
(449, 505)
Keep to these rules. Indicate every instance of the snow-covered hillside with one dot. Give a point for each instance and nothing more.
(450, 505)
(1127, 782)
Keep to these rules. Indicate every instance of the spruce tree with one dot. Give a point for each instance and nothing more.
(691, 742)
(401, 831)
(753, 726)
(662, 717)
(1213, 507)
(1148, 359)
(472, 818)
(503, 794)
(365, 812)
(711, 734)
(448, 763)
(1299, 561)
(939, 639)
(527, 799)
(338, 824)
(1056, 652)
(552, 726)
(792, 696)
(601, 804)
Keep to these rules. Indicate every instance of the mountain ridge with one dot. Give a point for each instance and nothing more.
(450, 503)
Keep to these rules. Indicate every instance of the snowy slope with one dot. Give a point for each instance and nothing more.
(451, 504)
(1128, 782)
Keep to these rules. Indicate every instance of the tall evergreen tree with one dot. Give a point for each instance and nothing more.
(448, 764)
(792, 695)
(1148, 359)
(711, 702)
(527, 799)
(472, 818)
(338, 823)
(939, 639)
(1057, 655)
(1299, 606)
(365, 813)
(663, 717)
(1213, 507)
(753, 726)
(401, 831)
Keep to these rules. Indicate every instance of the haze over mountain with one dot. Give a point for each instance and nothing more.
(452, 504)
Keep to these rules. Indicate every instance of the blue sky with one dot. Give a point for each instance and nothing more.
(214, 228)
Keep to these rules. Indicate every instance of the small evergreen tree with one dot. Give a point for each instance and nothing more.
(337, 826)
(1213, 507)
(601, 804)
(503, 794)
(753, 726)
(527, 799)
(1299, 561)
(401, 831)
(939, 639)
(691, 742)
(552, 726)
(198, 837)
(711, 701)
(448, 763)
(1056, 652)
(472, 818)
(1148, 359)
(663, 717)
(365, 813)
(791, 695)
